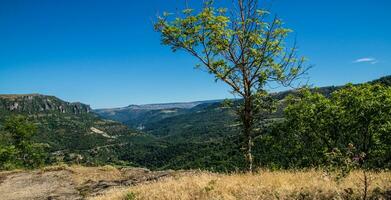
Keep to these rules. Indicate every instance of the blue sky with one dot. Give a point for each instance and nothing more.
(106, 54)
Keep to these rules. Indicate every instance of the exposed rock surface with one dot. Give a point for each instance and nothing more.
(37, 186)
(71, 183)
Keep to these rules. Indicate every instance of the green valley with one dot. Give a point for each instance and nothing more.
(159, 136)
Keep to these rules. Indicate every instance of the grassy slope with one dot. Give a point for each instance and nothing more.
(262, 185)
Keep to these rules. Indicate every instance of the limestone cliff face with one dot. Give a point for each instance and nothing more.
(35, 103)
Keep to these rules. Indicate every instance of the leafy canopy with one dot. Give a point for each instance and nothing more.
(355, 115)
(20, 151)
(242, 47)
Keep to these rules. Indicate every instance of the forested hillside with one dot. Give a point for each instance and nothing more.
(70, 132)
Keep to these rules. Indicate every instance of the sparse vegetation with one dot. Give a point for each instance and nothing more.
(130, 196)
(262, 185)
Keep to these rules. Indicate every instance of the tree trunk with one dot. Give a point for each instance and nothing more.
(247, 122)
(249, 154)
(366, 185)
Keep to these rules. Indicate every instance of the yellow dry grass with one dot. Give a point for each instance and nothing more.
(81, 174)
(263, 185)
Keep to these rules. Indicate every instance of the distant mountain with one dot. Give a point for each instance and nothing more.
(162, 106)
(135, 116)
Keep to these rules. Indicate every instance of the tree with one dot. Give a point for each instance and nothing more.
(314, 122)
(21, 151)
(243, 48)
(354, 116)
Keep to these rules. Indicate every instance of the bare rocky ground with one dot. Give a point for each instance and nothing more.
(71, 183)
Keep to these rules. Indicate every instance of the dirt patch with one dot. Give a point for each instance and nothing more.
(71, 183)
(36, 185)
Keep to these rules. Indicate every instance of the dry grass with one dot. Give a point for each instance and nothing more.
(81, 174)
(262, 185)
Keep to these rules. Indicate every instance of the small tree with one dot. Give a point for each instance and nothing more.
(242, 48)
(21, 151)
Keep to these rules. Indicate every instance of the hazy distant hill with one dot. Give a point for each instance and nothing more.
(135, 116)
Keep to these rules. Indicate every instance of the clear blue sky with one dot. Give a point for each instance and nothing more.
(106, 54)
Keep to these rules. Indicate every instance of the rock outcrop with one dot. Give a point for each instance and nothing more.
(35, 103)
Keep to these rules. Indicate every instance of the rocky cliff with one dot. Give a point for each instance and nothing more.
(34, 103)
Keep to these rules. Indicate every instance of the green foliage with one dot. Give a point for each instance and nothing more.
(130, 196)
(367, 119)
(21, 151)
(8, 156)
(241, 48)
(201, 138)
(220, 41)
(354, 115)
(340, 163)
(20, 130)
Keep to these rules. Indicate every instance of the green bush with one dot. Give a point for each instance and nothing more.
(20, 151)
(130, 196)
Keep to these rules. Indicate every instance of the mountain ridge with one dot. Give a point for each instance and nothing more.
(157, 106)
(32, 103)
